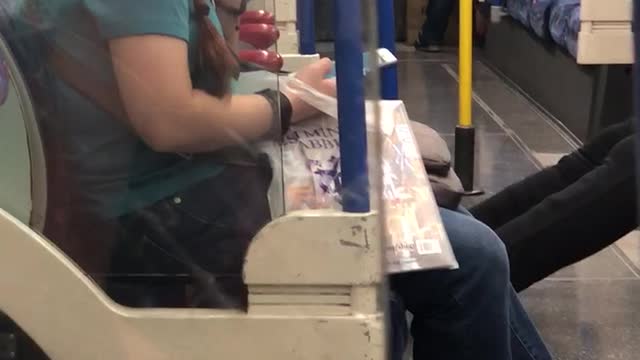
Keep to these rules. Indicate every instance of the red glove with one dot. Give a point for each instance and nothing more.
(270, 60)
(258, 17)
(260, 36)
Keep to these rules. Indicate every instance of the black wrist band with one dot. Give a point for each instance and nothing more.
(281, 112)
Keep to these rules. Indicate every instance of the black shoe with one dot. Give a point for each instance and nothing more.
(430, 48)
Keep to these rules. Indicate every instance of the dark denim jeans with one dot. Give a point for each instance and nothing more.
(197, 238)
(435, 26)
(469, 313)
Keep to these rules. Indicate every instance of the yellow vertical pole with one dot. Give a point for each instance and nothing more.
(465, 133)
(466, 62)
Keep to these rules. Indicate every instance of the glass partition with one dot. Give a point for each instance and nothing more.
(173, 133)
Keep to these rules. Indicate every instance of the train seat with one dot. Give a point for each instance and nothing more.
(22, 157)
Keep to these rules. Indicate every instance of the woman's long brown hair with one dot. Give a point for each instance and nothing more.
(217, 64)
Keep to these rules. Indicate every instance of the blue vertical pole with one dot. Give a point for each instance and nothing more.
(306, 27)
(387, 39)
(351, 109)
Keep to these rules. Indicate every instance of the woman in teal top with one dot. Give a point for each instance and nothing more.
(158, 145)
(129, 161)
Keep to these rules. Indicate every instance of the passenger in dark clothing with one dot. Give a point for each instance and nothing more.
(567, 212)
(435, 25)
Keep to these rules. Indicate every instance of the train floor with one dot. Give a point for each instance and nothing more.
(589, 311)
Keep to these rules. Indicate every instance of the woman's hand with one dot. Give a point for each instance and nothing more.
(314, 76)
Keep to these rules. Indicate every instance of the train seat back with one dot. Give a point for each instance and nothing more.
(22, 162)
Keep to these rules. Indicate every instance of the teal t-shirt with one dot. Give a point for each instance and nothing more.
(116, 171)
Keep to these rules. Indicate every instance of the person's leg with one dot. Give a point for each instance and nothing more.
(520, 197)
(576, 222)
(468, 313)
(526, 343)
(435, 25)
(398, 331)
(481, 20)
